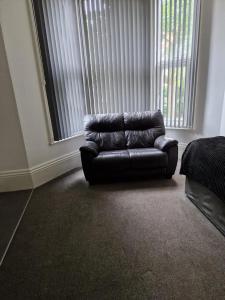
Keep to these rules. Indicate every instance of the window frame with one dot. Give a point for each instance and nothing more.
(42, 82)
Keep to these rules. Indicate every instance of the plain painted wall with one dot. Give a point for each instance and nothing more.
(216, 72)
(12, 149)
(22, 58)
(222, 127)
(211, 74)
(21, 54)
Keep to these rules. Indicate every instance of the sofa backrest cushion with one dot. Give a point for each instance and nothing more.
(121, 131)
(142, 128)
(107, 130)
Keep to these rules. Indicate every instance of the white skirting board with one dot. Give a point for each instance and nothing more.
(15, 180)
(24, 179)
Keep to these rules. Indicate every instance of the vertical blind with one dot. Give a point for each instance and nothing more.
(102, 56)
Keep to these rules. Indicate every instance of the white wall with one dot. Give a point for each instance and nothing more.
(216, 72)
(26, 80)
(222, 125)
(12, 149)
(20, 50)
(44, 161)
(211, 74)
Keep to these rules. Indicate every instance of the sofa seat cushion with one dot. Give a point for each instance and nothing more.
(112, 160)
(143, 158)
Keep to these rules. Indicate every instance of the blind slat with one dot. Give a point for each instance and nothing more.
(106, 56)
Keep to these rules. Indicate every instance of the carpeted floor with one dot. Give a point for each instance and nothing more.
(139, 240)
(11, 207)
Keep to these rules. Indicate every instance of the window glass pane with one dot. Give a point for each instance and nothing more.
(103, 56)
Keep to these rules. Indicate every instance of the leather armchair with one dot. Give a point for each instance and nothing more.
(127, 145)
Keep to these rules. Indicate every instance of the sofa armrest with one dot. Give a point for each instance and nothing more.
(90, 148)
(163, 143)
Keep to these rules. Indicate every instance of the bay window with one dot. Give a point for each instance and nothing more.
(103, 56)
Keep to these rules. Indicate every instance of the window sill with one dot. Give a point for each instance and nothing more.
(78, 134)
(81, 133)
(179, 128)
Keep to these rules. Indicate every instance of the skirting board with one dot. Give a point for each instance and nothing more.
(15, 180)
(54, 168)
(24, 179)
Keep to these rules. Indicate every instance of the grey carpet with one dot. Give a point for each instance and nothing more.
(139, 240)
(11, 207)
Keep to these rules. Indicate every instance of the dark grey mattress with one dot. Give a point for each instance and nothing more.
(207, 202)
(204, 161)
